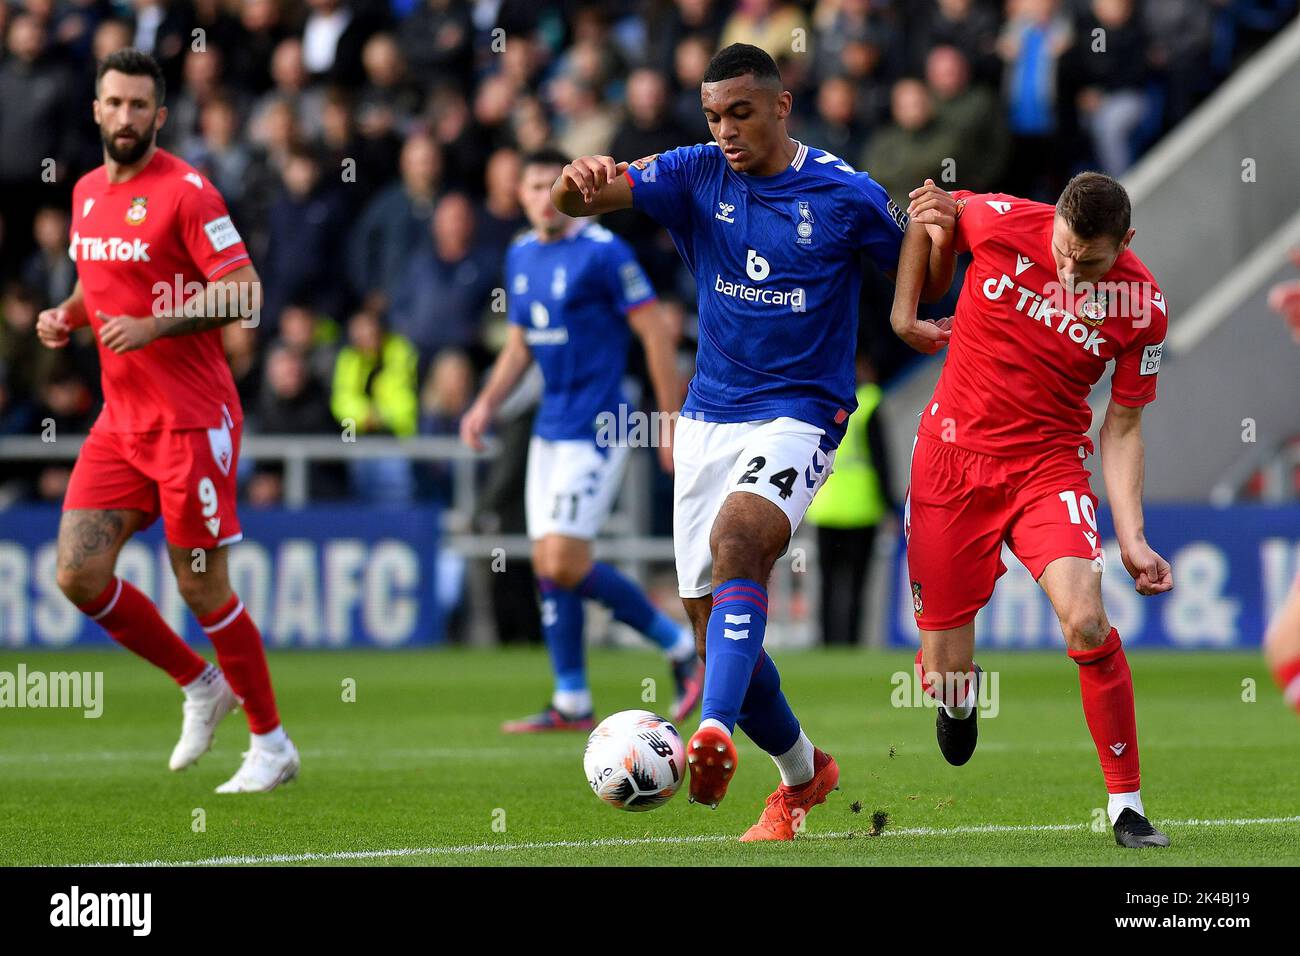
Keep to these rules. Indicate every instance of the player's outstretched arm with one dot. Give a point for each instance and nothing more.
(509, 367)
(909, 282)
(591, 185)
(659, 338)
(1122, 466)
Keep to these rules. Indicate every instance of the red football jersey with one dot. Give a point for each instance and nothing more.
(150, 243)
(1024, 353)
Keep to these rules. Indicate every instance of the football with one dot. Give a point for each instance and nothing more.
(635, 760)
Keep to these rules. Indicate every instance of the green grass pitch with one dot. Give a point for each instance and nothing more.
(415, 771)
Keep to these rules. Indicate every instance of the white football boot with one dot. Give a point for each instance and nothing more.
(263, 769)
(205, 705)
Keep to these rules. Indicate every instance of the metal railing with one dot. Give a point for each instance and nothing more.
(625, 541)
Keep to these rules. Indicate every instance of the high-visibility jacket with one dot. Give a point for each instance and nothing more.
(852, 496)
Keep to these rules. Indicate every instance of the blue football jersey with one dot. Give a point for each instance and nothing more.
(572, 296)
(777, 271)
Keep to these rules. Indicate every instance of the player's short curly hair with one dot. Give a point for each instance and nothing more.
(134, 62)
(740, 59)
(1094, 205)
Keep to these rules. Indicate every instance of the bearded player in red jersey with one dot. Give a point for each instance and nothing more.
(146, 226)
(1052, 295)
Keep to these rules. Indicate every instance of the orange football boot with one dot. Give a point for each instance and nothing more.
(712, 758)
(786, 808)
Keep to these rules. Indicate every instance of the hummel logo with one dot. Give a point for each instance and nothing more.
(735, 618)
(1001, 207)
(1118, 749)
(1022, 262)
(725, 209)
(85, 208)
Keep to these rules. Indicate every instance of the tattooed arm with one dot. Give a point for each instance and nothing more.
(236, 295)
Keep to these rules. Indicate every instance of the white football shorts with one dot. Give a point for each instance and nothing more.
(570, 486)
(781, 459)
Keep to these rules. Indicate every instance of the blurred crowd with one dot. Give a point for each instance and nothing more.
(369, 152)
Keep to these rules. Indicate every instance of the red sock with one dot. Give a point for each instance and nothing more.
(1287, 675)
(243, 660)
(1106, 685)
(133, 621)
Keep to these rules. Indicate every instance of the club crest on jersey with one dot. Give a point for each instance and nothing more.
(804, 227)
(1092, 311)
(135, 215)
(645, 162)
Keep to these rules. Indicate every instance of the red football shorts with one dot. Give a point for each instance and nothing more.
(186, 475)
(961, 507)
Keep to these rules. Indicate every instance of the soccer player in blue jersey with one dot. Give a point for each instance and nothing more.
(574, 291)
(772, 230)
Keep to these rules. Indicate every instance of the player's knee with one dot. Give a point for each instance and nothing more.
(82, 585)
(1084, 628)
(202, 594)
(735, 556)
(566, 575)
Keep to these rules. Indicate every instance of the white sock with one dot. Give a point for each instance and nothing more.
(796, 764)
(962, 710)
(201, 686)
(684, 649)
(272, 740)
(710, 722)
(1118, 801)
(572, 703)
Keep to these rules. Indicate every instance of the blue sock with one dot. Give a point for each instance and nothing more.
(733, 643)
(562, 627)
(765, 717)
(629, 604)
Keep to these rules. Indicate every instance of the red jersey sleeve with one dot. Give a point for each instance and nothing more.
(1136, 368)
(977, 216)
(209, 235)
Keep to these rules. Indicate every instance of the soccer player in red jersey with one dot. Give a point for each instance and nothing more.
(160, 268)
(1052, 295)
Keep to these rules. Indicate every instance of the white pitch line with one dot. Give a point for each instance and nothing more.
(432, 753)
(653, 841)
